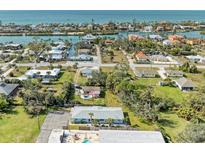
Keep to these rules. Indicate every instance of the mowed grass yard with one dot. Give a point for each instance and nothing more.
(57, 85)
(118, 57)
(95, 101)
(113, 101)
(172, 124)
(19, 71)
(111, 69)
(198, 79)
(169, 121)
(18, 127)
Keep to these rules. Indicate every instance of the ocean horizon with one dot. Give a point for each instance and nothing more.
(99, 16)
(78, 16)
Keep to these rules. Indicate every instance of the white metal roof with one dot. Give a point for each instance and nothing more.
(82, 112)
(53, 72)
(125, 136)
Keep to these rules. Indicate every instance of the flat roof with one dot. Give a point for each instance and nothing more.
(53, 72)
(126, 136)
(99, 112)
(106, 136)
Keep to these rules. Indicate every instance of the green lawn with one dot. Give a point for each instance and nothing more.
(118, 57)
(172, 124)
(148, 81)
(111, 69)
(80, 79)
(97, 101)
(171, 92)
(27, 59)
(43, 68)
(113, 101)
(107, 69)
(19, 71)
(198, 78)
(167, 92)
(64, 77)
(18, 127)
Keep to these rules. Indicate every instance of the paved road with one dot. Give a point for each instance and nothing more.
(7, 72)
(98, 55)
(96, 62)
(130, 61)
(5, 65)
(55, 120)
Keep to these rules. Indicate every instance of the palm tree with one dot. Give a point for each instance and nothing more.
(91, 117)
(38, 73)
(110, 121)
(48, 73)
(2, 78)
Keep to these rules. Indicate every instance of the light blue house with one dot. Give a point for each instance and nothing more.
(87, 114)
(88, 71)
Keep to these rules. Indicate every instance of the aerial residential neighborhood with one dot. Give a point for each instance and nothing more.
(126, 81)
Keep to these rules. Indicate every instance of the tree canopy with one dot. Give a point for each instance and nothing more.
(193, 133)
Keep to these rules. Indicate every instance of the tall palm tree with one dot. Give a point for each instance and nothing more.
(48, 73)
(38, 73)
(2, 78)
(110, 121)
(91, 118)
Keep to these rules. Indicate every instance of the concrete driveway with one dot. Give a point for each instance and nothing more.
(162, 73)
(54, 120)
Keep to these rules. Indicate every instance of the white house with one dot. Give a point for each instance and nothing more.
(88, 71)
(146, 73)
(148, 29)
(173, 73)
(196, 59)
(88, 38)
(56, 54)
(158, 58)
(54, 73)
(86, 115)
(155, 37)
(167, 42)
(105, 136)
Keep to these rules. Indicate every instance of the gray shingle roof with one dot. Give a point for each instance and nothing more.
(124, 136)
(82, 112)
(183, 82)
(7, 89)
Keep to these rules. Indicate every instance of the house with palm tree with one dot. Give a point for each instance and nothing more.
(112, 116)
(44, 74)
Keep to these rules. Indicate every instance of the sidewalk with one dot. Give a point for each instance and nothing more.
(161, 73)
